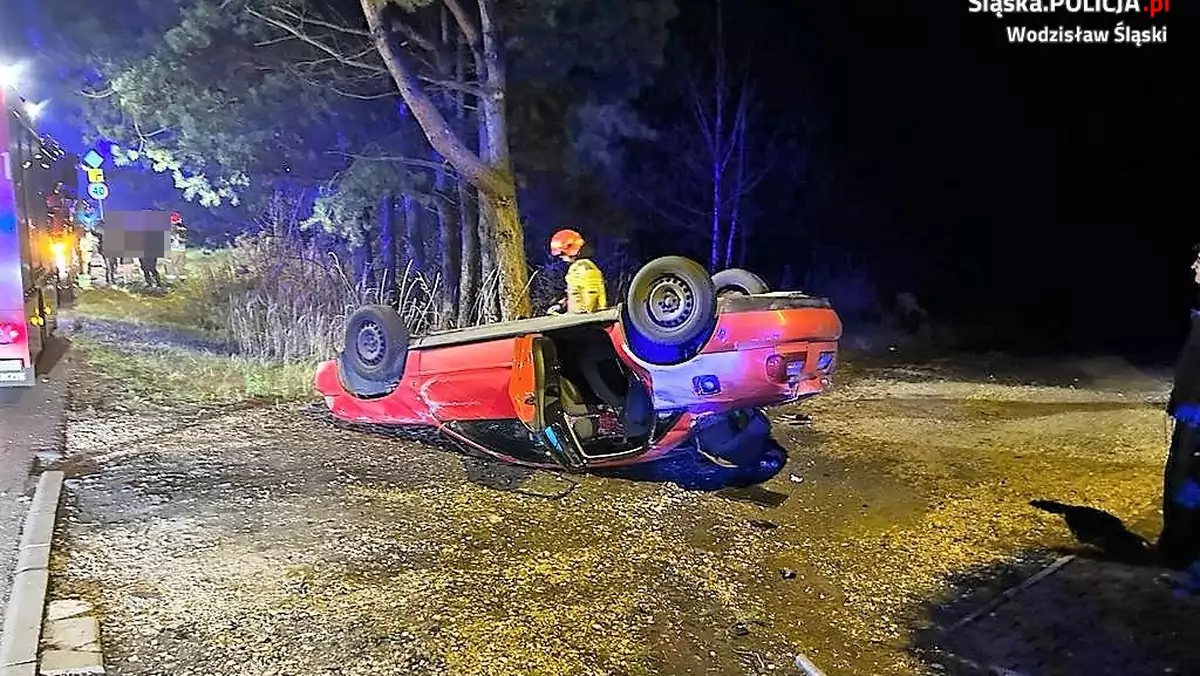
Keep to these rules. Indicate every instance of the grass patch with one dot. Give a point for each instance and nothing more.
(177, 377)
(170, 309)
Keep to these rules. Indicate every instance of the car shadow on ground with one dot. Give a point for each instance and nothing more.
(1104, 607)
(685, 468)
(759, 458)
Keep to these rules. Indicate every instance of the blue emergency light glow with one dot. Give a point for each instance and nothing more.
(706, 384)
(824, 361)
(553, 439)
(93, 159)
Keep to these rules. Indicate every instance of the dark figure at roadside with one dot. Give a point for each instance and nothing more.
(150, 271)
(1179, 543)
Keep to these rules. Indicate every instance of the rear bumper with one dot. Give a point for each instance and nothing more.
(734, 370)
(727, 381)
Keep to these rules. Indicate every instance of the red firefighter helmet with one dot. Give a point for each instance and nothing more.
(566, 242)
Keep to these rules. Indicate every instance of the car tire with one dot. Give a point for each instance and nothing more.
(738, 282)
(376, 344)
(669, 311)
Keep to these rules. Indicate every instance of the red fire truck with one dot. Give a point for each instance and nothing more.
(32, 254)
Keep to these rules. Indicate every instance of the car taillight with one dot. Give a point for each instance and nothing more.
(782, 368)
(10, 334)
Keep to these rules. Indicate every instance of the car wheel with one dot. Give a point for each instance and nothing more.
(376, 343)
(670, 310)
(738, 282)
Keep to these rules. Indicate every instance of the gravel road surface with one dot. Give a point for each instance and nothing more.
(271, 541)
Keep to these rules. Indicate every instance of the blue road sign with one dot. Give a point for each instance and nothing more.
(93, 159)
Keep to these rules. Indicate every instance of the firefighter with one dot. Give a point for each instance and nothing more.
(585, 282)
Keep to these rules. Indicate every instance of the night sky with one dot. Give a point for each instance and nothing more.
(1035, 189)
(1037, 185)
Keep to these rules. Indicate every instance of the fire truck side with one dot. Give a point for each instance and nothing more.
(29, 278)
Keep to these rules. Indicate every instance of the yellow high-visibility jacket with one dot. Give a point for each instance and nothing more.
(585, 287)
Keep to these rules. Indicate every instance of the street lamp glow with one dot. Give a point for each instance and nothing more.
(10, 75)
(33, 110)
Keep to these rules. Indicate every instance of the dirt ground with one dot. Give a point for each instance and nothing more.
(270, 541)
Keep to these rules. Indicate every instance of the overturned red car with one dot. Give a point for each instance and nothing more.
(684, 354)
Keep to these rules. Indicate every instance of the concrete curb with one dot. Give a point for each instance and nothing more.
(26, 605)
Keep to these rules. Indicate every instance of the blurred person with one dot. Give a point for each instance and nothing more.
(585, 281)
(150, 271)
(1179, 543)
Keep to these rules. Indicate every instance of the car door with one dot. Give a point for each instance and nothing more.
(534, 388)
(527, 386)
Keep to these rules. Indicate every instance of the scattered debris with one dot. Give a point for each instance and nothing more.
(742, 652)
(763, 525)
(795, 419)
(739, 629)
(805, 665)
(796, 478)
(787, 574)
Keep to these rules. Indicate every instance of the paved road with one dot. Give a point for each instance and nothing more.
(30, 423)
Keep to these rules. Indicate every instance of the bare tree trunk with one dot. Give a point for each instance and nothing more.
(391, 240)
(502, 215)
(739, 179)
(486, 232)
(490, 224)
(743, 244)
(451, 251)
(449, 241)
(718, 166)
(365, 264)
(491, 173)
(471, 281)
(413, 236)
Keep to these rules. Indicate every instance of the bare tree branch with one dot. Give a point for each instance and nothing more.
(98, 95)
(363, 97)
(318, 22)
(469, 31)
(437, 130)
(412, 34)
(313, 42)
(453, 85)
(678, 221)
(472, 35)
(700, 112)
(295, 72)
(396, 159)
